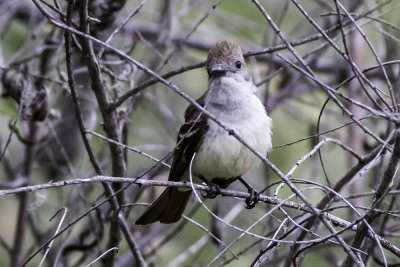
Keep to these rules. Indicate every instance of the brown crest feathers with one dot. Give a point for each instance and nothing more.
(222, 51)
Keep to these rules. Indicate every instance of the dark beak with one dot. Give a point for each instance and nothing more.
(217, 71)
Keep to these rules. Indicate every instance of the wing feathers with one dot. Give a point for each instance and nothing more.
(168, 208)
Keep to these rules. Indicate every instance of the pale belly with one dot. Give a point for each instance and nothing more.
(223, 156)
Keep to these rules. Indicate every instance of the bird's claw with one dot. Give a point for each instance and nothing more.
(213, 191)
(253, 199)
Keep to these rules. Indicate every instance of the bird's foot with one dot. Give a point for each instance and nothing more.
(253, 199)
(214, 190)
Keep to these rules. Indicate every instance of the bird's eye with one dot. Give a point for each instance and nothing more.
(238, 64)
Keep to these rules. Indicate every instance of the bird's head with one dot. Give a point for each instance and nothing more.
(225, 58)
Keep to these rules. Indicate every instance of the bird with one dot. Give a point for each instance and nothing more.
(219, 158)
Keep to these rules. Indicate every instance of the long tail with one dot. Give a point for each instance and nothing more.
(167, 208)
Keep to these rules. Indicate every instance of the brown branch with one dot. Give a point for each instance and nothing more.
(230, 193)
(110, 127)
(149, 32)
(384, 187)
(280, 174)
(76, 103)
(338, 187)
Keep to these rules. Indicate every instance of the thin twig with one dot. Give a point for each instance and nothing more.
(55, 233)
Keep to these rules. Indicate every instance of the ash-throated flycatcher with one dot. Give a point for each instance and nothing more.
(220, 157)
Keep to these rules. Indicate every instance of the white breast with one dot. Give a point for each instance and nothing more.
(223, 156)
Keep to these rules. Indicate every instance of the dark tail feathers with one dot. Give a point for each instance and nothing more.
(167, 208)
